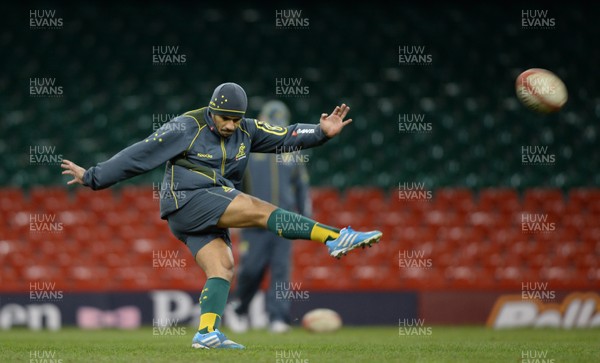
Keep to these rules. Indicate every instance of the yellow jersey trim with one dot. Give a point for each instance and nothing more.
(199, 127)
(172, 191)
(224, 157)
(275, 130)
(226, 110)
(244, 131)
(213, 178)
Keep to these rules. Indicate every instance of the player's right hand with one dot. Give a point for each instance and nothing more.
(73, 169)
(334, 123)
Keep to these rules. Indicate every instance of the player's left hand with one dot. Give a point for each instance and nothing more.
(73, 169)
(334, 123)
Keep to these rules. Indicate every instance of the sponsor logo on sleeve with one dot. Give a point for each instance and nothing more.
(303, 131)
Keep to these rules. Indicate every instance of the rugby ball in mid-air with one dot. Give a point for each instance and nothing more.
(321, 321)
(541, 90)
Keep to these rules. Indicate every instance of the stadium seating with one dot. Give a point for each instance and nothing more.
(113, 91)
(110, 240)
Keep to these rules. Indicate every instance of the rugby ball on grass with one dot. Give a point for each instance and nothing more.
(321, 321)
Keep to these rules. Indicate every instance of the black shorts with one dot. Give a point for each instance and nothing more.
(195, 224)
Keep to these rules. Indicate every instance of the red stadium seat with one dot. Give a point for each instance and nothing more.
(396, 203)
(326, 198)
(99, 201)
(591, 219)
(37, 193)
(591, 235)
(542, 199)
(463, 276)
(505, 200)
(573, 220)
(39, 196)
(593, 274)
(12, 199)
(580, 198)
(373, 277)
(399, 218)
(329, 277)
(371, 199)
(144, 199)
(594, 207)
(442, 218)
(41, 272)
(458, 199)
(430, 279)
(510, 275)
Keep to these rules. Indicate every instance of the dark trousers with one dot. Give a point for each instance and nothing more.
(265, 251)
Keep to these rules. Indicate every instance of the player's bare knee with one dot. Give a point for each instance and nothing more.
(227, 269)
(224, 271)
(261, 211)
(216, 260)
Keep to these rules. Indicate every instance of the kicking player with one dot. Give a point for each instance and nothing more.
(205, 152)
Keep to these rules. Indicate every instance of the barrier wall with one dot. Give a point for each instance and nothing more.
(175, 308)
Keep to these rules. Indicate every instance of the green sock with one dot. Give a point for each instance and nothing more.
(212, 303)
(295, 226)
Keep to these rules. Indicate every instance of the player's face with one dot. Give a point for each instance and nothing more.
(226, 125)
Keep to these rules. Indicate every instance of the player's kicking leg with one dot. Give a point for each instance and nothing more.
(247, 211)
(216, 260)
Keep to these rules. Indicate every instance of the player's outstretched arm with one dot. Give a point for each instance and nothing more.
(170, 140)
(276, 139)
(74, 170)
(334, 123)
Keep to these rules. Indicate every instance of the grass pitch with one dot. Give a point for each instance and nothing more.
(350, 344)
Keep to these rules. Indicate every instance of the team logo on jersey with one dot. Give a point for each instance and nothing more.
(241, 152)
(226, 189)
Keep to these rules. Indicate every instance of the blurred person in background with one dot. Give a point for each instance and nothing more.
(280, 179)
